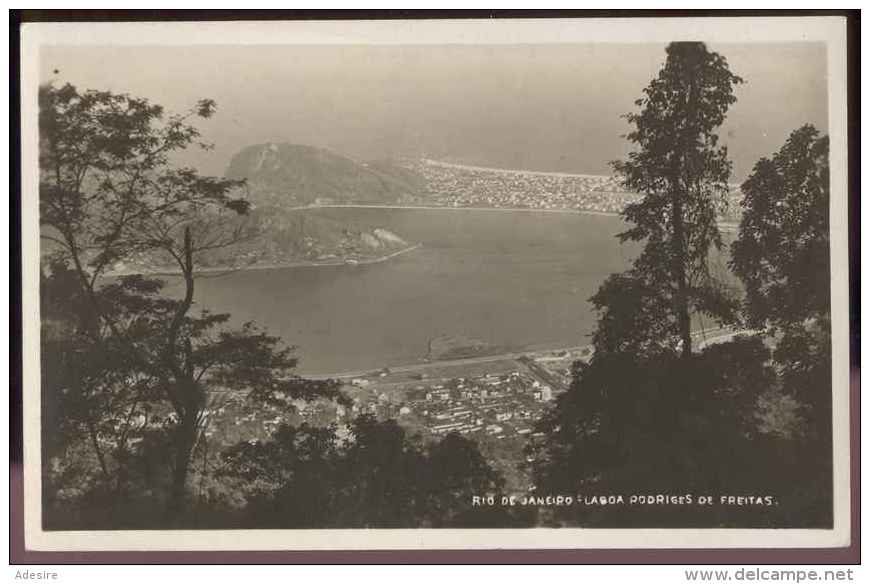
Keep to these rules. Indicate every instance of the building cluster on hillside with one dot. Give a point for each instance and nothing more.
(489, 405)
(233, 418)
(497, 406)
(468, 186)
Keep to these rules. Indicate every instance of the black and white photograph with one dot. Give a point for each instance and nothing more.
(422, 284)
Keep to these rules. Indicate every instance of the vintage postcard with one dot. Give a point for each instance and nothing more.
(435, 284)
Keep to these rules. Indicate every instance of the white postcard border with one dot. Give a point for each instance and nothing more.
(831, 30)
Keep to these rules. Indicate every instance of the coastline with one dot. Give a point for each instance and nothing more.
(535, 350)
(275, 266)
(725, 226)
(446, 208)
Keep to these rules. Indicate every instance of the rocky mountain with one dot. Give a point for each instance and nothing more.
(288, 175)
(281, 178)
(284, 179)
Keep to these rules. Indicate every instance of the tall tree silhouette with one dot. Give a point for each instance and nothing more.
(782, 255)
(646, 413)
(131, 359)
(682, 172)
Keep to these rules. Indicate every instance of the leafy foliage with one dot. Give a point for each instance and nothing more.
(131, 371)
(682, 171)
(133, 376)
(665, 424)
(646, 415)
(783, 252)
(633, 317)
(782, 255)
(107, 186)
(377, 477)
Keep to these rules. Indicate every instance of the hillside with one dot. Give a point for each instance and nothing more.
(287, 175)
(287, 236)
(281, 237)
(282, 177)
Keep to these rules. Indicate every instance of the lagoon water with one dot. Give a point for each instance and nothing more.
(511, 279)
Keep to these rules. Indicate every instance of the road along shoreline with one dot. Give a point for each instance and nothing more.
(707, 337)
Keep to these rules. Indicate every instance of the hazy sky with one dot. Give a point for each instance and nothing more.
(540, 107)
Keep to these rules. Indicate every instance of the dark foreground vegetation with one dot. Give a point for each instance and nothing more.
(751, 417)
(132, 376)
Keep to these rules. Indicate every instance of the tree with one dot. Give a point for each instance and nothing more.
(646, 413)
(105, 175)
(377, 477)
(632, 317)
(288, 480)
(782, 256)
(455, 472)
(661, 424)
(682, 172)
(109, 193)
(93, 387)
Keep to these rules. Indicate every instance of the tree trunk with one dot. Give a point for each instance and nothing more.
(185, 392)
(681, 299)
(184, 442)
(682, 186)
(95, 443)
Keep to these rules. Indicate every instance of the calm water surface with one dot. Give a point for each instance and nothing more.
(513, 279)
